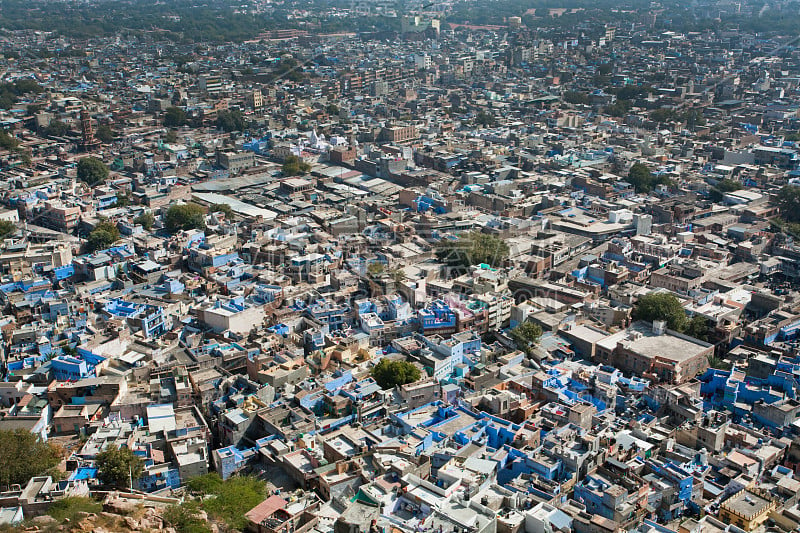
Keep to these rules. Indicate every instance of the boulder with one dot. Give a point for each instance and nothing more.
(119, 506)
(152, 522)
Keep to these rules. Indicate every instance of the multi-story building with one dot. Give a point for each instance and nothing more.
(747, 509)
(235, 162)
(235, 315)
(58, 216)
(654, 352)
(147, 318)
(398, 134)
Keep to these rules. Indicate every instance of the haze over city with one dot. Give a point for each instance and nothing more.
(390, 266)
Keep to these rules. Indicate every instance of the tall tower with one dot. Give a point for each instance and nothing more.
(89, 141)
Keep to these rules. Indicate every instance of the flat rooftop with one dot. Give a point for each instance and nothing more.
(641, 339)
(343, 446)
(667, 346)
(746, 503)
(236, 205)
(587, 334)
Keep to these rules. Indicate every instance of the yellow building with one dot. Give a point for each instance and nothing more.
(255, 99)
(419, 24)
(746, 509)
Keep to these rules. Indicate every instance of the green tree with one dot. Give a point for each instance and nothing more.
(484, 119)
(23, 455)
(7, 228)
(630, 92)
(391, 372)
(171, 137)
(146, 220)
(186, 518)
(117, 466)
(231, 120)
(575, 97)
(25, 86)
(123, 199)
(221, 208)
(332, 109)
(619, 108)
(525, 336)
(102, 236)
(664, 115)
(641, 178)
(717, 192)
(92, 171)
(174, 117)
(697, 327)
(398, 275)
(185, 217)
(8, 141)
(206, 484)
(104, 134)
(56, 128)
(694, 118)
(288, 69)
(715, 361)
(473, 249)
(789, 203)
(661, 306)
(231, 499)
(67, 509)
(375, 269)
(69, 350)
(294, 166)
(10, 92)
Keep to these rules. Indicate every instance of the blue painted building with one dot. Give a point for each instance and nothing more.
(149, 318)
(437, 316)
(679, 500)
(594, 491)
(330, 313)
(738, 393)
(66, 368)
(230, 459)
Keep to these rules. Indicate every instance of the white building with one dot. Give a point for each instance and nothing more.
(234, 315)
(422, 61)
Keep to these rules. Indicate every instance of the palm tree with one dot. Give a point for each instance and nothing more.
(715, 361)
